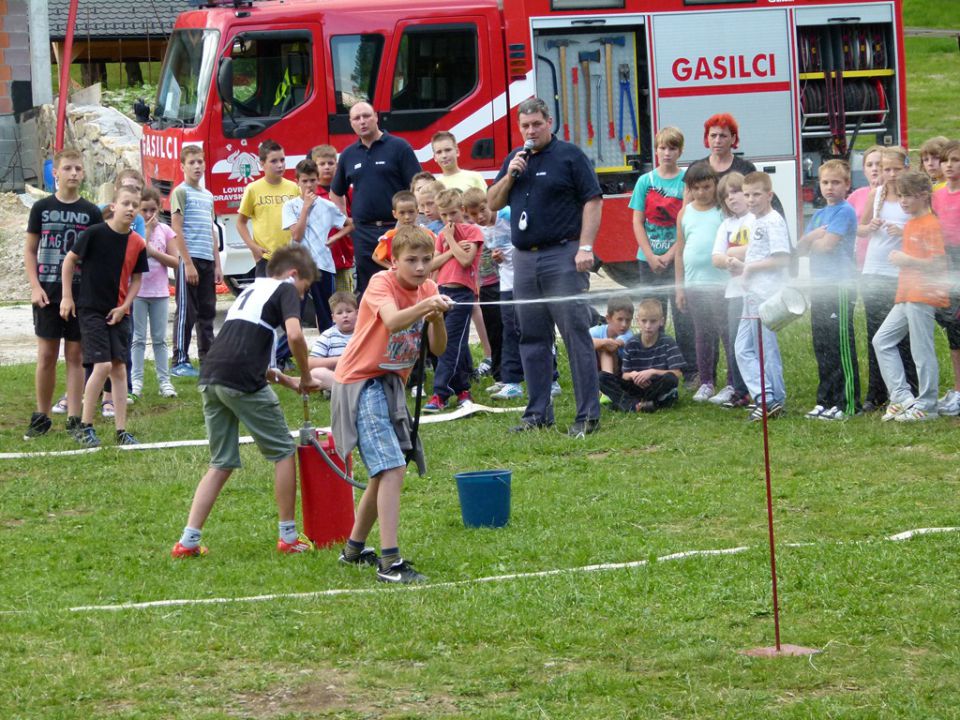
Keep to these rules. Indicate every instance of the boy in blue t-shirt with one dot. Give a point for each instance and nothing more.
(610, 338)
(830, 240)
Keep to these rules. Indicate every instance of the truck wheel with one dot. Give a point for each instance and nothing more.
(624, 273)
(237, 283)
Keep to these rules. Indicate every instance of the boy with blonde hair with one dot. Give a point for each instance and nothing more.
(52, 228)
(445, 154)
(830, 241)
(368, 405)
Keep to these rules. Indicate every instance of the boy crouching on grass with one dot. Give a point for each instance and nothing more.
(651, 367)
(114, 259)
(369, 393)
(234, 387)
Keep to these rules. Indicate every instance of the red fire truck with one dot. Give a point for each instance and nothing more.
(804, 78)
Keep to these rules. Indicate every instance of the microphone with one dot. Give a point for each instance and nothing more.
(525, 153)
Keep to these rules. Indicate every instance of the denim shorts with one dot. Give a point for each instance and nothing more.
(379, 447)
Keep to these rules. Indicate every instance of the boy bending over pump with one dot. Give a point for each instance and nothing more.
(368, 407)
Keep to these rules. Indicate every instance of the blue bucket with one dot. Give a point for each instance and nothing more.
(48, 181)
(484, 497)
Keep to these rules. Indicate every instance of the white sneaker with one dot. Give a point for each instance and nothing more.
(703, 393)
(495, 388)
(135, 391)
(915, 414)
(949, 404)
(509, 391)
(833, 413)
(555, 389)
(725, 395)
(895, 410)
(815, 413)
(413, 391)
(61, 407)
(167, 390)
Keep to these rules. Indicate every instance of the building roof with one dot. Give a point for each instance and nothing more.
(100, 19)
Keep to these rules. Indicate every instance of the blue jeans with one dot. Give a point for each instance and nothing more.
(551, 272)
(748, 355)
(455, 366)
(320, 291)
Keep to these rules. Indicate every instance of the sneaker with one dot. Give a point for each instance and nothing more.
(301, 545)
(435, 405)
(915, 414)
(184, 370)
(87, 436)
(871, 407)
(495, 388)
(61, 407)
(367, 556)
(74, 428)
(833, 413)
(703, 393)
(555, 389)
(40, 424)
(605, 400)
(725, 395)
(737, 401)
(949, 404)
(414, 389)
(774, 410)
(527, 425)
(400, 572)
(167, 390)
(484, 368)
(691, 381)
(135, 392)
(464, 399)
(582, 428)
(509, 391)
(894, 409)
(179, 551)
(125, 438)
(107, 409)
(816, 412)
(131, 398)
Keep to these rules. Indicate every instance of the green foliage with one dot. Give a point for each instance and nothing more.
(933, 84)
(659, 640)
(931, 14)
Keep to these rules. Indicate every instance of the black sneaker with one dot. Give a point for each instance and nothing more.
(582, 428)
(526, 425)
(87, 436)
(774, 410)
(74, 427)
(367, 556)
(40, 424)
(401, 573)
(125, 438)
(737, 401)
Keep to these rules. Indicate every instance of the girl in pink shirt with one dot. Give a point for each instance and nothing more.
(858, 198)
(152, 303)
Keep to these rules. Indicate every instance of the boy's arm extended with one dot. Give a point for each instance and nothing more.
(37, 295)
(67, 308)
(395, 319)
(298, 346)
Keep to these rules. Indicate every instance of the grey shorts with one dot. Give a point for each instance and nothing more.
(223, 410)
(379, 447)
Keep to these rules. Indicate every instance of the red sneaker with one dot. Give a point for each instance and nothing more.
(301, 545)
(464, 398)
(179, 551)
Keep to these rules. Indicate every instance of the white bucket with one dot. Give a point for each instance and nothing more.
(781, 309)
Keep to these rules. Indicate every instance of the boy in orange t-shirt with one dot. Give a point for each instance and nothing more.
(921, 289)
(396, 307)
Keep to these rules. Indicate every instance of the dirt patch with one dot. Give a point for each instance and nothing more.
(13, 223)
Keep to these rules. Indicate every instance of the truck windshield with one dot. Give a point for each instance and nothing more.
(186, 76)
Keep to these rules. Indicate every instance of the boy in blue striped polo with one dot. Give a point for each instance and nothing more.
(192, 219)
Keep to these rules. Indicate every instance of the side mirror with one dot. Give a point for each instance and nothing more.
(225, 80)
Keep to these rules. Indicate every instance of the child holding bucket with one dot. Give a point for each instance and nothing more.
(369, 395)
(764, 275)
(830, 240)
(234, 387)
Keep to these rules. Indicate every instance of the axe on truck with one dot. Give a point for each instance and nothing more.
(608, 43)
(585, 59)
(562, 44)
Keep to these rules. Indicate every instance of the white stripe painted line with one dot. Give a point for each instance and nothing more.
(603, 567)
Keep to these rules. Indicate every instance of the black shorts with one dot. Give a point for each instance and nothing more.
(48, 324)
(101, 342)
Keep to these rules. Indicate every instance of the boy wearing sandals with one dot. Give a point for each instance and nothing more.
(921, 289)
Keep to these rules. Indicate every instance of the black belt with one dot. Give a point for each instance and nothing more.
(545, 246)
(377, 223)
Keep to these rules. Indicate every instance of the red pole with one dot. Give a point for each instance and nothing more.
(65, 58)
(766, 467)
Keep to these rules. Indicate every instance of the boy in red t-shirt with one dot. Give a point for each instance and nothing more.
(396, 306)
(456, 262)
(921, 289)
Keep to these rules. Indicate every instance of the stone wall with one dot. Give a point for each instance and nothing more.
(108, 139)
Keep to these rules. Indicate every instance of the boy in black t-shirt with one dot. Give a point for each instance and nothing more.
(113, 260)
(651, 367)
(54, 224)
(233, 384)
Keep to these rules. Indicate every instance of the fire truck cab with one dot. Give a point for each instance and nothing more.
(804, 78)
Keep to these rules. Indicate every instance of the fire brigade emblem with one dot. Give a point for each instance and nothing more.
(244, 166)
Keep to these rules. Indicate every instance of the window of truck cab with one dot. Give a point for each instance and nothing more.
(186, 76)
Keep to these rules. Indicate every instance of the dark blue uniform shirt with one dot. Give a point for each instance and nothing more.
(376, 173)
(552, 191)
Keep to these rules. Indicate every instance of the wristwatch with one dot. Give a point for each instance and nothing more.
(585, 248)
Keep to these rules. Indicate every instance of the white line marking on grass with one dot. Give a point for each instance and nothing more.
(907, 534)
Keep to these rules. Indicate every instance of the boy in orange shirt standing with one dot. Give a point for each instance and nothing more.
(921, 289)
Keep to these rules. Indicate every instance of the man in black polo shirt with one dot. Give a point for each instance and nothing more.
(377, 166)
(555, 204)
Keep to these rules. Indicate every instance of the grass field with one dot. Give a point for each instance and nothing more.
(659, 640)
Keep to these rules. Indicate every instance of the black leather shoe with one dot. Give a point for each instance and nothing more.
(582, 428)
